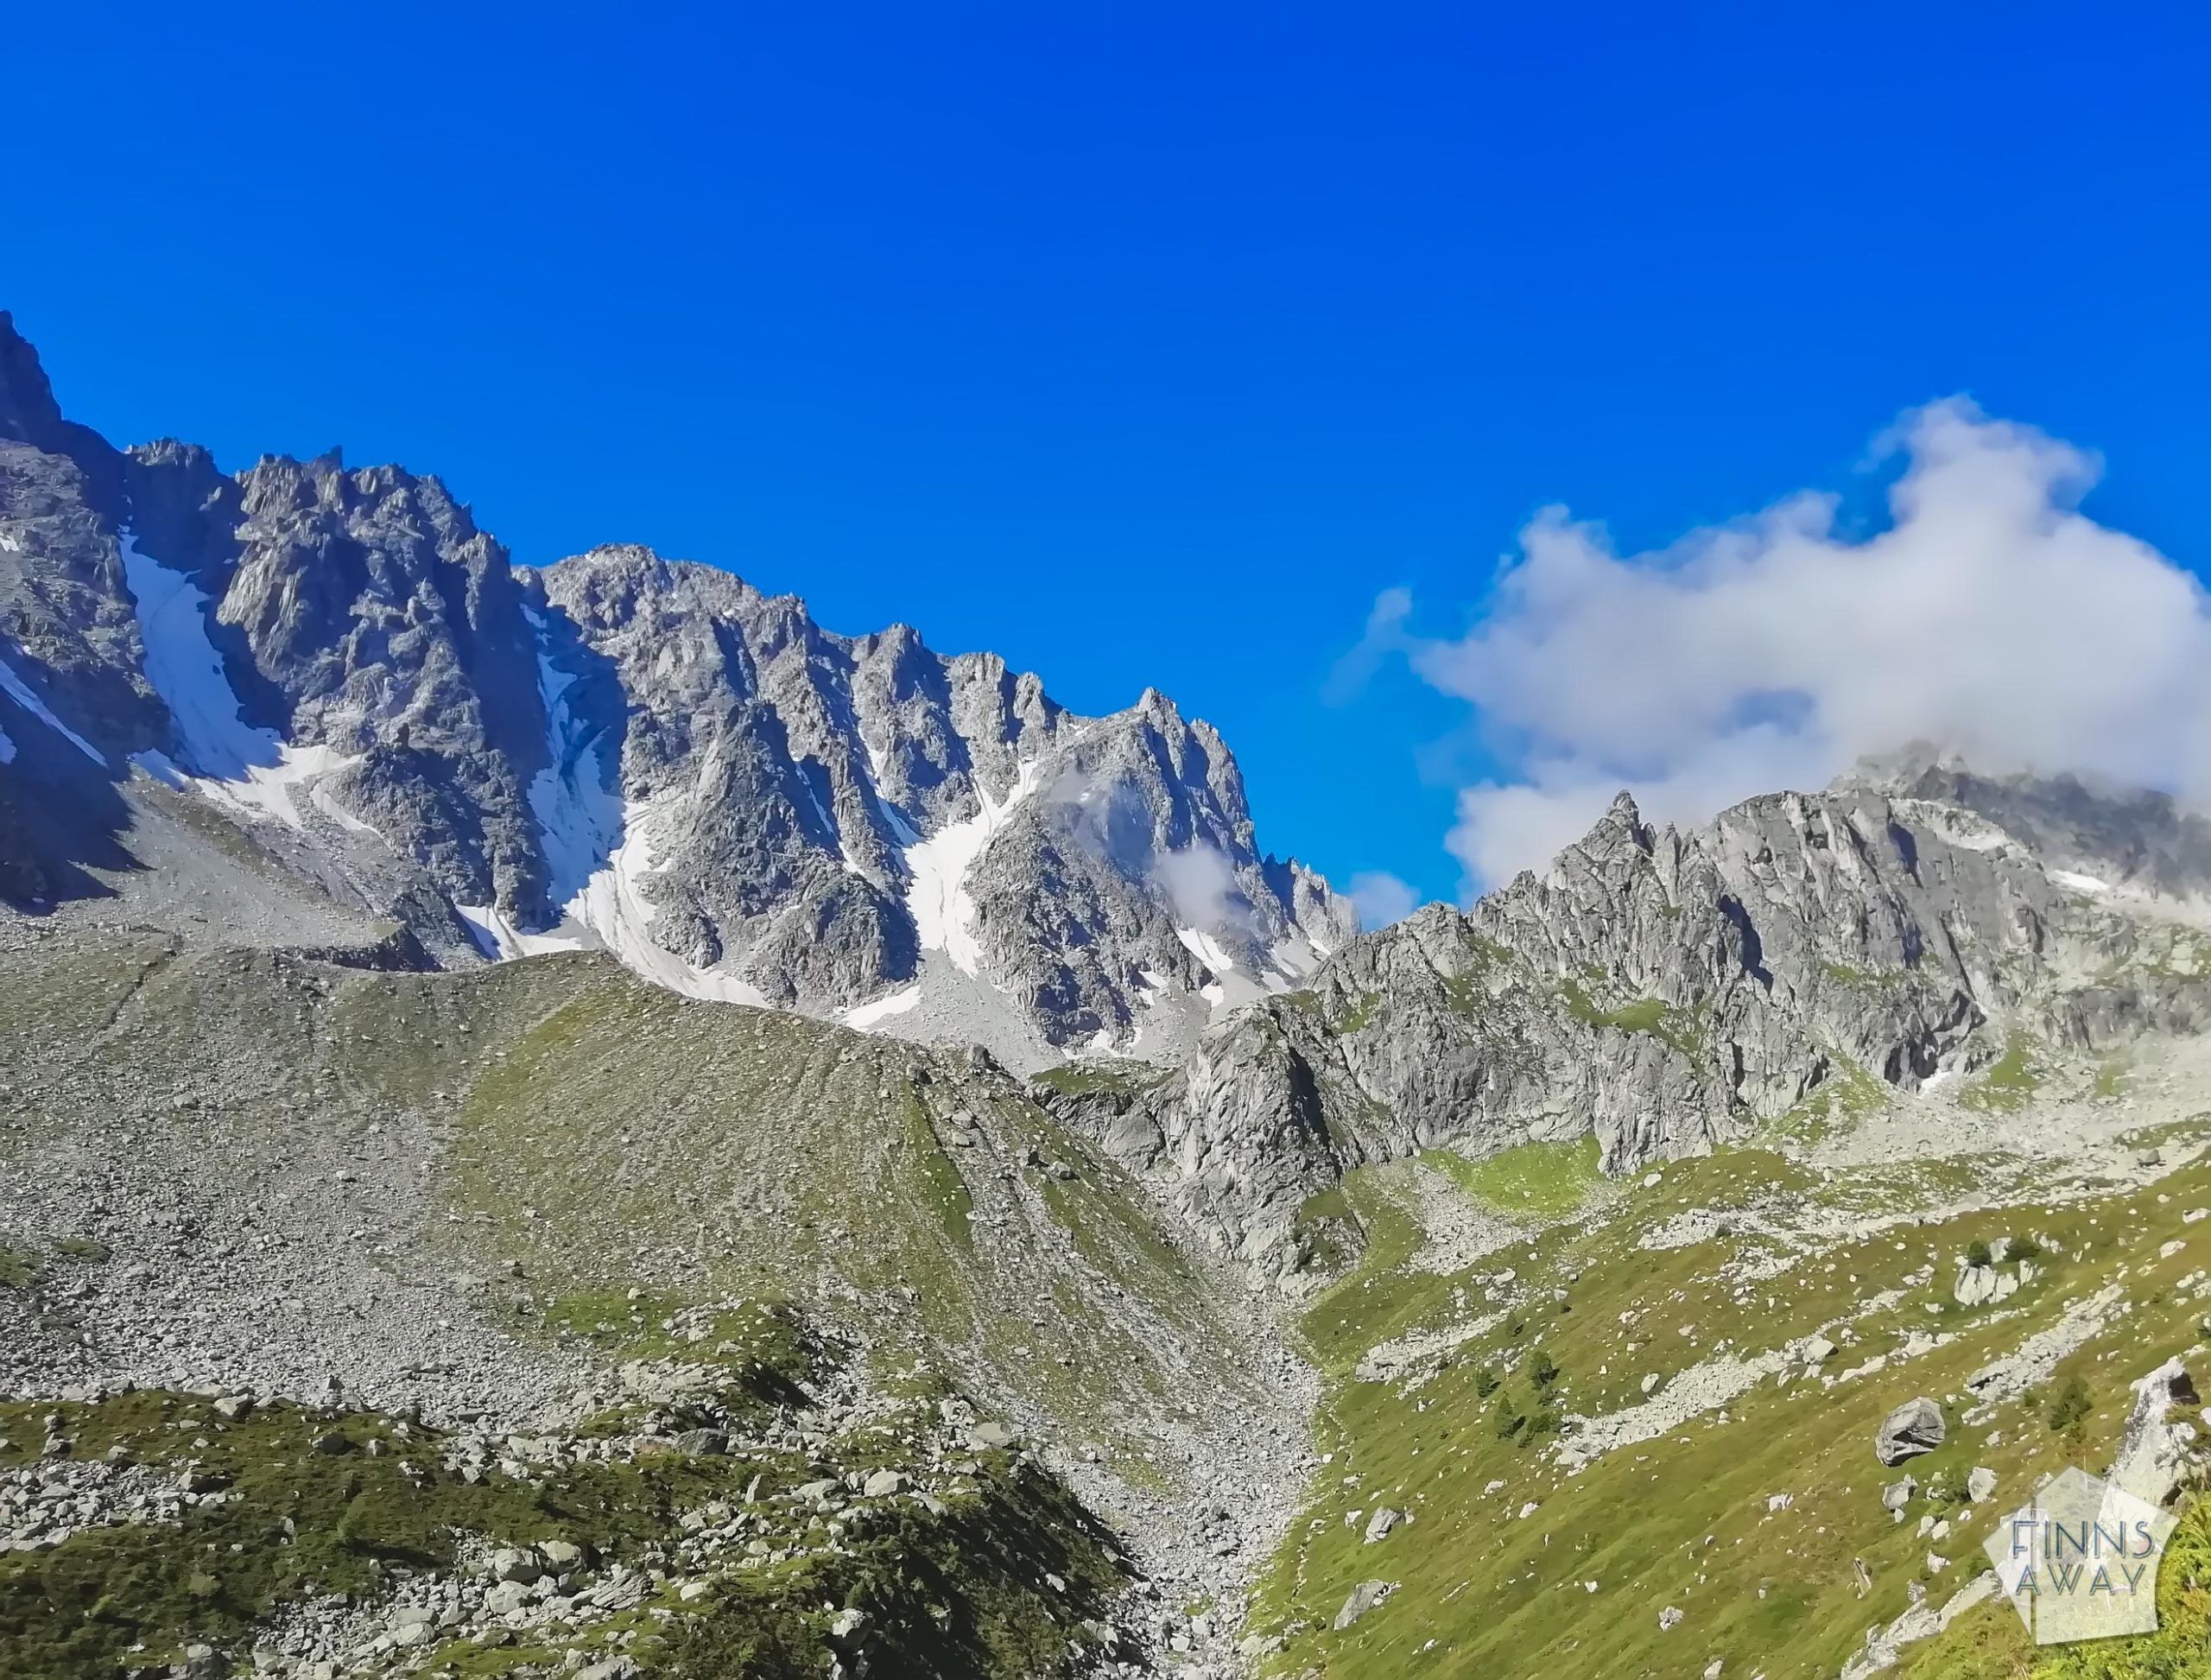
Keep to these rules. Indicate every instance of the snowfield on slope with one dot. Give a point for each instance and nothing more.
(224, 757)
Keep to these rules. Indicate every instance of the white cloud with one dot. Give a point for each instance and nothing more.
(1200, 885)
(1384, 636)
(1990, 616)
(1381, 898)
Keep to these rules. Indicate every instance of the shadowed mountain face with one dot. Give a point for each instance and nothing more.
(622, 751)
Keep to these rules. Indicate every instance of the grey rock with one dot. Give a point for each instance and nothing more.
(510, 1563)
(1364, 1597)
(2157, 1456)
(1914, 1427)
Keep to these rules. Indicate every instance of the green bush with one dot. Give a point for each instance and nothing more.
(2070, 1406)
(1510, 1420)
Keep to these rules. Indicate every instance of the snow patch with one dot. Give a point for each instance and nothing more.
(598, 853)
(1206, 950)
(579, 820)
(225, 757)
(7, 749)
(611, 913)
(1293, 959)
(20, 691)
(598, 849)
(937, 898)
(865, 1015)
(2079, 883)
(902, 830)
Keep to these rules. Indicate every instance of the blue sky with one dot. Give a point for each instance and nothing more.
(1141, 344)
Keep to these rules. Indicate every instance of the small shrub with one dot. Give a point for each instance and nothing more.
(2070, 1406)
(1978, 1254)
(1510, 1420)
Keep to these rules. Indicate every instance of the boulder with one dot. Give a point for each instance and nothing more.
(1916, 1427)
(2157, 1458)
(1380, 1524)
(510, 1563)
(1364, 1597)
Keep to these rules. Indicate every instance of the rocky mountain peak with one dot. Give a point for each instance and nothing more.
(644, 754)
(29, 413)
(1670, 989)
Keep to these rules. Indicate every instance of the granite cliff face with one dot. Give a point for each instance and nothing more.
(627, 751)
(1668, 989)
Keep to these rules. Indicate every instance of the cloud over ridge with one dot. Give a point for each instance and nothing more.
(1990, 616)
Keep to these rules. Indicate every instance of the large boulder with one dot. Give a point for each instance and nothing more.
(2157, 1456)
(1916, 1427)
(1364, 1597)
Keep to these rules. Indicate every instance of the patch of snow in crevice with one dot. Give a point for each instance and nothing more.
(597, 852)
(580, 819)
(1206, 950)
(1293, 959)
(865, 1015)
(9, 544)
(224, 757)
(2079, 883)
(902, 830)
(937, 896)
(611, 913)
(20, 691)
(829, 822)
(7, 749)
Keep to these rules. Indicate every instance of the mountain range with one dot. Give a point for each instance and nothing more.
(567, 1123)
(630, 753)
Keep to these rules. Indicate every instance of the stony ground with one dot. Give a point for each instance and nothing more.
(241, 1174)
(485, 1212)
